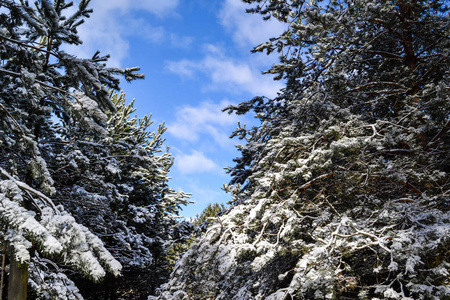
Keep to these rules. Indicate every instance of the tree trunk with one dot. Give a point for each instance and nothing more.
(3, 272)
(18, 280)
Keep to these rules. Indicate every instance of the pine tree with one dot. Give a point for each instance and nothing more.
(193, 229)
(343, 190)
(212, 211)
(44, 89)
(117, 186)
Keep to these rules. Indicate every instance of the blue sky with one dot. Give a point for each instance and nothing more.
(196, 58)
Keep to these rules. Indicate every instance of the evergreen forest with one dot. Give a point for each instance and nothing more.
(342, 190)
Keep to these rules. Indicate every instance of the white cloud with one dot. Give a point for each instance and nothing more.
(113, 22)
(196, 162)
(241, 73)
(226, 73)
(206, 122)
(184, 68)
(248, 30)
(181, 41)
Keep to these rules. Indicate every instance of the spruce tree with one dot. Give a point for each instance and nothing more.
(343, 190)
(69, 150)
(117, 186)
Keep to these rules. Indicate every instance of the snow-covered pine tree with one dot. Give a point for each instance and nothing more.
(343, 191)
(117, 185)
(208, 214)
(41, 84)
(196, 226)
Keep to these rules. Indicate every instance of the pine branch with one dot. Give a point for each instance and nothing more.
(28, 188)
(37, 81)
(385, 54)
(20, 43)
(372, 84)
(438, 135)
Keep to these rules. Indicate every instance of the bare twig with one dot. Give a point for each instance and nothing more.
(438, 135)
(411, 188)
(260, 234)
(332, 207)
(278, 234)
(386, 54)
(12, 118)
(397, 151)
(404, 200)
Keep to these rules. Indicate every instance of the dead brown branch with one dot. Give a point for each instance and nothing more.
(311, 182)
